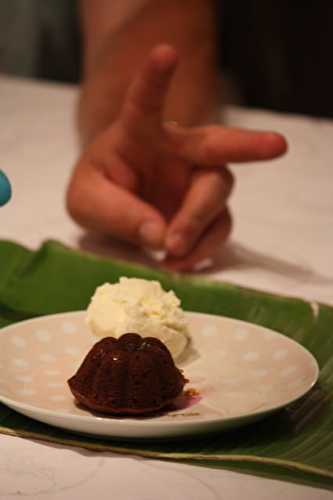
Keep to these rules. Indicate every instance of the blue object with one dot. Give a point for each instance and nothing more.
(5, 189)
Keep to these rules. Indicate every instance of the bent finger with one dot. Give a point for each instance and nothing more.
(205, 199)
(203, 254)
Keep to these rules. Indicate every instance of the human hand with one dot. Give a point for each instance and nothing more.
(160, 185)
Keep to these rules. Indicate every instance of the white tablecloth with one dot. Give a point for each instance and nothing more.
(282, 242)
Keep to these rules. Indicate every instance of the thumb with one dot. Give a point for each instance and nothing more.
(97, 203)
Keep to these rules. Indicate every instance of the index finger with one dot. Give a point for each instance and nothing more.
(144, 102)
(217, 145)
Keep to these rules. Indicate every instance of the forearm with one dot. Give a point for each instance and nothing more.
(116, 43)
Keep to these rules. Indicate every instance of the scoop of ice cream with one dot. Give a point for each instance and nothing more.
(141, 306)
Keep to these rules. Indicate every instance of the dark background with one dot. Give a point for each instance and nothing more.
(277, 53)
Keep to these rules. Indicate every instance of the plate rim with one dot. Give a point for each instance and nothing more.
(153, 422)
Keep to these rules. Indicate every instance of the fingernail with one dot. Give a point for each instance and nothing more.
(157, 255)
(203, 264)
(176, 244)
(151, 234)
(172, 123)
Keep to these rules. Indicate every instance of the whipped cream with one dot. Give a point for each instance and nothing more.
(140, 306)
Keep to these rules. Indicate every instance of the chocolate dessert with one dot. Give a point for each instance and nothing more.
(129, 375)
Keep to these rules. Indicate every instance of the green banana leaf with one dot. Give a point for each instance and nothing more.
(295, 444)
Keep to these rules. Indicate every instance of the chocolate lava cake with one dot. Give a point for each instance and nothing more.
(130, 375)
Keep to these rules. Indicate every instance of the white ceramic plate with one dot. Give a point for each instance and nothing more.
(240, 371)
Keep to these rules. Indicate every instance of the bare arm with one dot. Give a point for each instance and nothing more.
(117, 37)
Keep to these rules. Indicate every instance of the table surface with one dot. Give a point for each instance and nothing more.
(282, 242)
